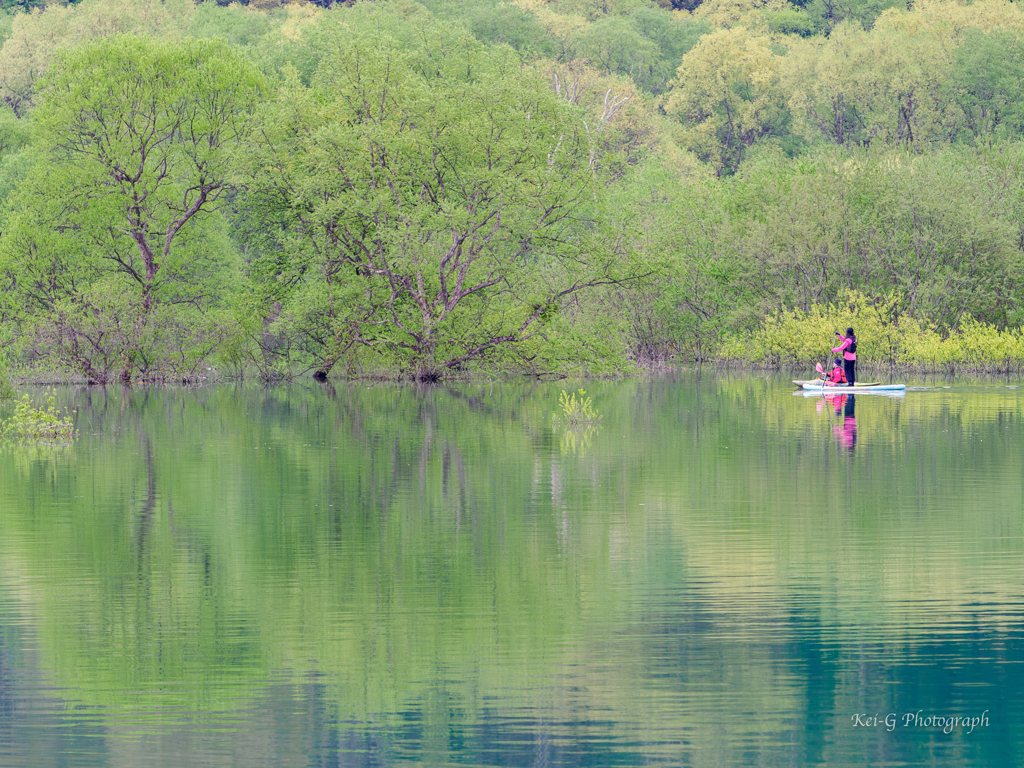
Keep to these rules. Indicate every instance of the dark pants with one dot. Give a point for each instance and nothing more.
(849, 366)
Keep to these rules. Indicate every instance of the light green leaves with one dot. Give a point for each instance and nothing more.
(146, 128)
(134, 144)
(727, 94)
(439, 204)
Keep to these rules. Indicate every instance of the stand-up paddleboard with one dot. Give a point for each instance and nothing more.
(857, 385)
(816, 386)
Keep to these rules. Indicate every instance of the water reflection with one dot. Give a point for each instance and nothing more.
(370, 575)
(845, 427)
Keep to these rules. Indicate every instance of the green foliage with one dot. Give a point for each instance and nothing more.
(36, 38)
(579, 422)
(917, 79)
(728, 96)
(941, 229)
(6, 25)
(15, 134)
(614, 45)
(674, 34)
(495, 22)
(790, 21)
(576, 412)
(234, 24)
(48, 423)
(885, 338)
(828, 14)
(441, 203)
(884, 158)
(985, 82)
(695, 290)
(114, 244)
(9, 6)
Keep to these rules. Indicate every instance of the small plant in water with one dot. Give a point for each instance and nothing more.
(48, 423)
(577, 412)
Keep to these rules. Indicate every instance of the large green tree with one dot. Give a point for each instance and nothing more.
(114, 225)
(727, 95)
(437, 206)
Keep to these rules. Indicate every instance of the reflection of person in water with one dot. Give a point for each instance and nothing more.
(846, 433)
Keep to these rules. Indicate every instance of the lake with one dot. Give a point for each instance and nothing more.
(722, 572)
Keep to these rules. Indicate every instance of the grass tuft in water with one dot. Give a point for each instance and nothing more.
(48, 423)
(575, 412)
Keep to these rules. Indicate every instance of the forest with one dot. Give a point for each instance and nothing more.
(446, 188)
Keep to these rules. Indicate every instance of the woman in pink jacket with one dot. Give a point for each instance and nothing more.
(849, 349)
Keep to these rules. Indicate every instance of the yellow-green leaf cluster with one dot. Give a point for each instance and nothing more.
(885, 338)
(727, 93)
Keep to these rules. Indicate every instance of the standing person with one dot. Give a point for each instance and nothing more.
(849, 349)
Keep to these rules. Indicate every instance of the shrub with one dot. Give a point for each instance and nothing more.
(576, 412)
(886, 338)
(47, 424)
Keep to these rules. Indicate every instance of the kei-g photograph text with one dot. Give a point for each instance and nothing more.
(945, 723)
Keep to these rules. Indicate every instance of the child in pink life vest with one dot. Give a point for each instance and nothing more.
(837, 377)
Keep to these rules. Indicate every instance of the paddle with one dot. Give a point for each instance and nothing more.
(822, 371)
(824, 374)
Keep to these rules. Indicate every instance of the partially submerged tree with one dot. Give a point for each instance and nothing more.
(441, 206)
(133, 139)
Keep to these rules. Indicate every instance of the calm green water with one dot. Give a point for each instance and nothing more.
(722, 574)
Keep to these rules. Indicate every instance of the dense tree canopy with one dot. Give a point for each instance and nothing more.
(438, 213)
(428, 188)
(114, 217)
